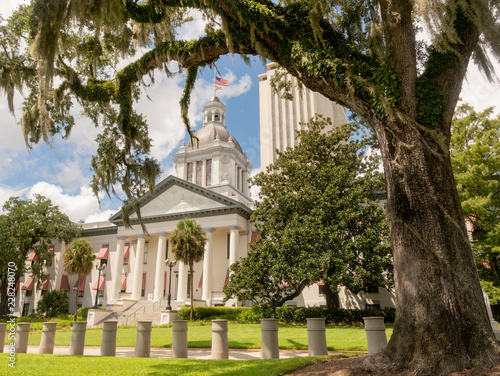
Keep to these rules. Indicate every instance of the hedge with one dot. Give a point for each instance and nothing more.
(289, 314)
(337, 316)
(211, 313)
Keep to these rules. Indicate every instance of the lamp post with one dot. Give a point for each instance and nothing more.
(100, 268)
(170, 264)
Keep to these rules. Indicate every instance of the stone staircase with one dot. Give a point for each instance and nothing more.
(143, 310)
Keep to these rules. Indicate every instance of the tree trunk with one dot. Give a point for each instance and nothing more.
(77, 293)
(191, 291)
(332, 298)
(441, 320)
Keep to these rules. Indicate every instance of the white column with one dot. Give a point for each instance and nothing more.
(208, 268)
(182, 287)
(117, 270)
(160, 265)
(138, 267)
(233, 244)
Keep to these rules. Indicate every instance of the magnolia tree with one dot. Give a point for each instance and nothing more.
(363, 54)
(319, 221)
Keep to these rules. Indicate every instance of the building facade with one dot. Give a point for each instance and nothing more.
(210, 186)
(280, 118)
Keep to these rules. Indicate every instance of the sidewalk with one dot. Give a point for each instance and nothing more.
(193, 353)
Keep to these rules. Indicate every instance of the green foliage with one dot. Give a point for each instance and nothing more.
(26, 226)
(83, 311)
(53, 303)
(210, 313)
(79, 259)
(318, 220)
(475, 156)
(335, 316)
(288, 314)
(188, 245)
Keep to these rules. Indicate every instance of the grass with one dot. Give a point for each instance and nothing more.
(34, 365)
(240, 336)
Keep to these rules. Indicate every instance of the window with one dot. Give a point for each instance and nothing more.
(189, 176)
(81, 294)
(126, 252)
(146, 249)
(29, 293)
(209, 172)
(370, 286)
(238, 178)
(228, 244)
(322, 290)
(26, 309)
(199, 172)
(166, 250)
(124, 283)
(143, 290)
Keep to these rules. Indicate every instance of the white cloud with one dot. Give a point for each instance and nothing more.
(193, 29)
(478, 92)
(254, 189)
(7, 192)
(80, 206)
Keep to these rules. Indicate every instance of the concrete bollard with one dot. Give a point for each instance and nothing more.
(3, 328)
(179, 339)
(22, 334)
(220, 348)
(316, 337)
(108, 345)
(48, 338)
(269, 339)
(375, 334)
(77, 343)
(143, 339)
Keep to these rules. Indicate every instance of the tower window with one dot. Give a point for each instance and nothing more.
(216, 118)
(189, 172)
(209, 172)
(199, 172)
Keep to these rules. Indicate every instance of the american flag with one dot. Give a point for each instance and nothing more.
(221, 81)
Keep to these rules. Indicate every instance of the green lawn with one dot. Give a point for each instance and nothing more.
(240, 336)
(34, 365)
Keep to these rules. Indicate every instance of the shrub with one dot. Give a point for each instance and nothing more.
(82, 312)
(339, 316)
(211, 313)
(53, 303)
(250, 316)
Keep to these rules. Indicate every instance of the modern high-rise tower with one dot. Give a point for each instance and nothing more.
(281, 118)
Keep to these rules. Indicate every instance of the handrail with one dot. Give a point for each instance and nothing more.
(143, 308)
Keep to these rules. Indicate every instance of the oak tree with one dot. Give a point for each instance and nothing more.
(30, 227)
(364, 54)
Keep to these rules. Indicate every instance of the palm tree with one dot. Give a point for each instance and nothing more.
(79, 259)
(188, 246)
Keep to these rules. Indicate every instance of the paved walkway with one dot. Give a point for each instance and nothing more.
(193, 353)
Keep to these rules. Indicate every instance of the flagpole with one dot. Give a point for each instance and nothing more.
(215, 73)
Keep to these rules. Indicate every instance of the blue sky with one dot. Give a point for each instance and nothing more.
(63, 174)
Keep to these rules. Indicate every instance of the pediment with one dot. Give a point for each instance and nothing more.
(177, 196)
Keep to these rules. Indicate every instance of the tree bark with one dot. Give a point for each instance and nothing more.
(332, 298)
(441, 323)
(77, 293)
(191, 291)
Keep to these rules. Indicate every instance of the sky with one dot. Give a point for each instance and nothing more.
(63, 175)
